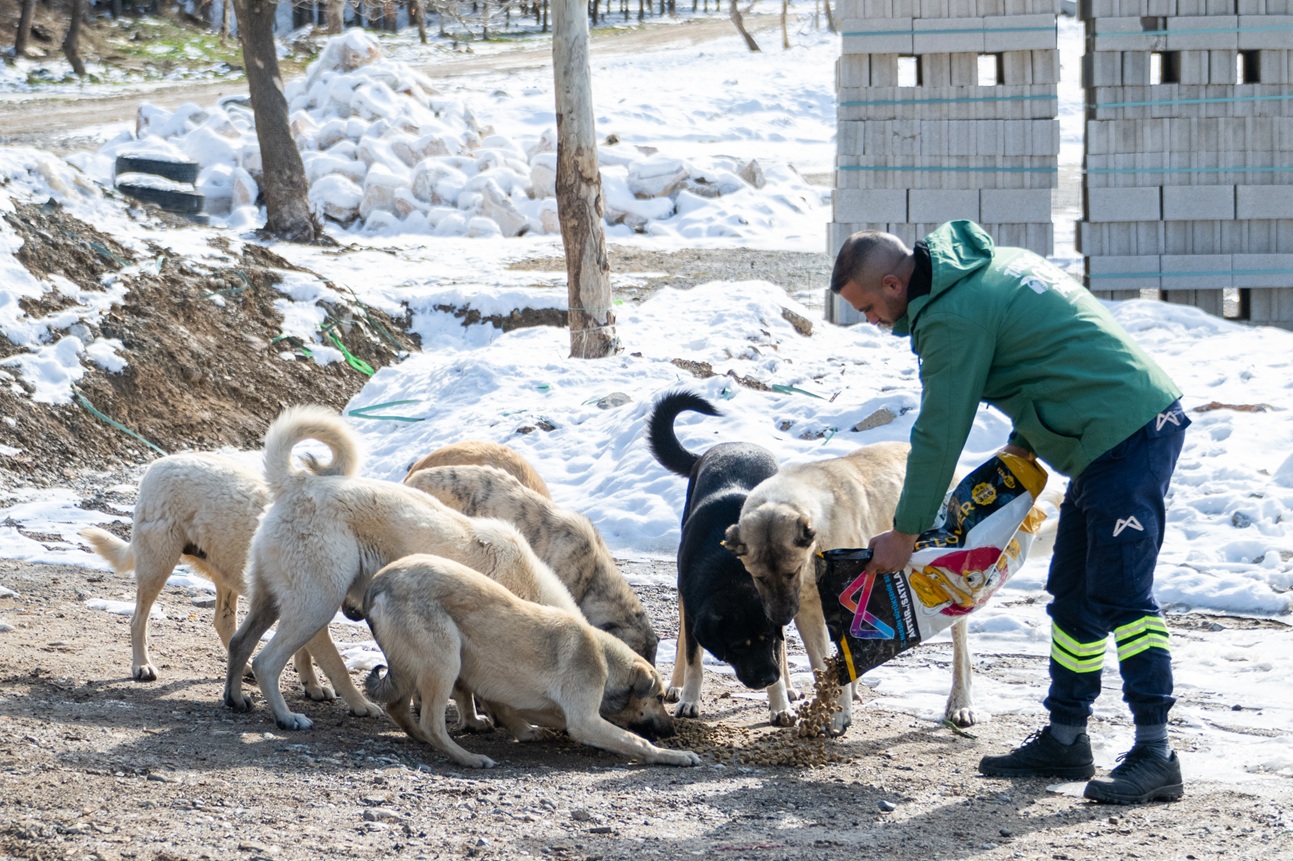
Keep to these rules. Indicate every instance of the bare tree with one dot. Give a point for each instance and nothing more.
(418, 11)
(579, 188)
(735, 15)
(830, 17)
(287, 204)
(71, 41)
(785, 35)
(24, 27)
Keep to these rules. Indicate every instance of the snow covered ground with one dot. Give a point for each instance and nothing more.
(1229, 551)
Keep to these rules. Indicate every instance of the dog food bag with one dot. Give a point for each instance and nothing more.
(982, 536)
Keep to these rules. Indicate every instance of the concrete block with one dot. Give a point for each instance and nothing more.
(1015, 205)
(1198, 202)
(964, 69)
(1016, 67)
(872, 204)
(1190, 33)
(1161, 8)
(1212, 301)
(853, 70)
(1046, 67)
(1263, 270)
(1264, 201)
(1223, 66)
(936, 70)
(1273, 67)
(1251, 7)
(1019, 33)
(884, 70)
(890, 36)
(1117, 273)
(1220, 7)
(1264, 31)
(947, 35)
(1123, 204)
(1272, 307)
(936, 205)
(1196, 271)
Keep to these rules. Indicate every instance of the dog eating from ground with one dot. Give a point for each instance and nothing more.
(564, 539)
(480, 453)
(718, 607)
(326, 534)
(201, 509)
(824, 505)
(441, 625)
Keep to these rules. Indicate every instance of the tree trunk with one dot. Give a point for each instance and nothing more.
(225, 7)
(419, 8)
(579, 188)
(740, 27)
(24, 27)
(785, 35)
(287, 204)
(830, 17)
(334, 12)
(70, 49)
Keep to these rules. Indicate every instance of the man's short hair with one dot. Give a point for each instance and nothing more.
(865, 250)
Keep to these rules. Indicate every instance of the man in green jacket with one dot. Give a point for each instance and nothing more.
(1006, 327)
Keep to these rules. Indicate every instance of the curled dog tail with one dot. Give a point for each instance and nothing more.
(382, 686)
(119, 554)
(297, 424)
(660, 434)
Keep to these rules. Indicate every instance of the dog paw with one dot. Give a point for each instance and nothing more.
(144, 673)
(664, 756)
(475, 761)
(320, 693)
(294, 721)
(237, 701)
(838, 724)
(962, 716)
(782, 718)
(673, 695)
(367, 709)
(477, 724)
(687, 710)
(793, 694)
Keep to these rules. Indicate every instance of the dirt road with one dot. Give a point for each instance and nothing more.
(62, 123)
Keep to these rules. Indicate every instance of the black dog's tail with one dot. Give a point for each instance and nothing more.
(661, 437)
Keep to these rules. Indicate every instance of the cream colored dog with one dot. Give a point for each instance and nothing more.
(325, 536)
(201, 509)
(564, 539)
(441, 624)
(480, 453)
(824, 505)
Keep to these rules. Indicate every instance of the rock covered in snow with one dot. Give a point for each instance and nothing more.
(385, 152)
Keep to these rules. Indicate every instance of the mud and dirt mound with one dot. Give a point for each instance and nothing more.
(207, 365)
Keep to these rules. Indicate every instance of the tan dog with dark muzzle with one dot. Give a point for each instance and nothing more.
(441, 625)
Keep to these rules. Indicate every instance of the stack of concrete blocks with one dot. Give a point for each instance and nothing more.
(1189, 153)
(945, 145)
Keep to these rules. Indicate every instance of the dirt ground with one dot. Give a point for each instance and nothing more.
(95, 765)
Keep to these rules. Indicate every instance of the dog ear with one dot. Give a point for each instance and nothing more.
(732, 540)
(643, 681)
(805, 533)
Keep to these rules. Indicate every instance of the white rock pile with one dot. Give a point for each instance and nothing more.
(384, 152)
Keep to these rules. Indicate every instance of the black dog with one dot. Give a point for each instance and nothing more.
(719, 609)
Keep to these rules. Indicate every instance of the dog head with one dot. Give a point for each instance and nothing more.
(739, 633)
(634, 699)
(775, 543)
(634, 631)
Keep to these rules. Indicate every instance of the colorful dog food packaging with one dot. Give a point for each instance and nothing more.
(982, 536)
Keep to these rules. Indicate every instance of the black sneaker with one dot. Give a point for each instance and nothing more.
(1143, 776)
(1041, 755)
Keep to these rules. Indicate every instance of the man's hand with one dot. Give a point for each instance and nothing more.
(890, 551)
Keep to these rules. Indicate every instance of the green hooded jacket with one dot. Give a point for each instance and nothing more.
(1006, 326)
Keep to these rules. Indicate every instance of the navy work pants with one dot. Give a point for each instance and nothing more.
(1101, 578)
